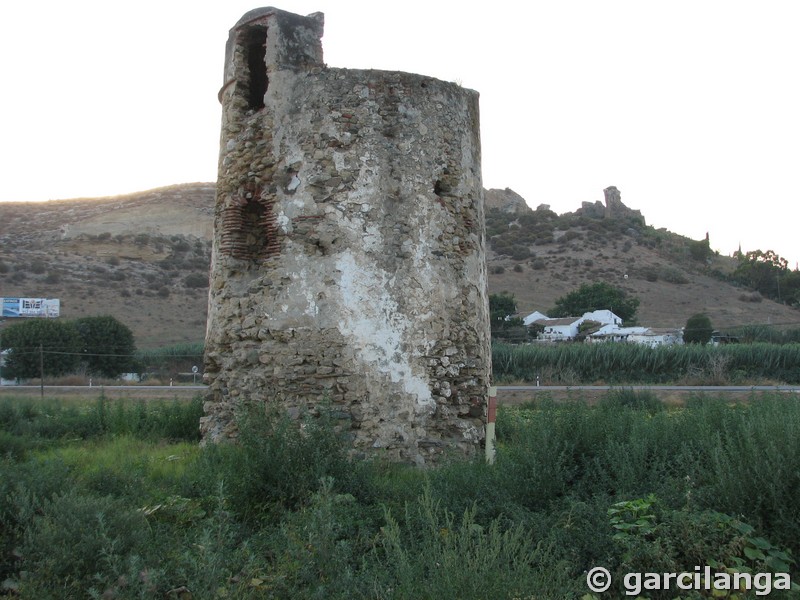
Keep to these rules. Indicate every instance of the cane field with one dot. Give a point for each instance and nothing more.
(116, 499)
(693, 364)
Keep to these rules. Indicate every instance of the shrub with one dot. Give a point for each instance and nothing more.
(4, 268)
(673, 276)
(520, 252)
(650, 274)
(81, 541)
(698, 329)
(279, 466)
(181, 245)
(751, 297)
(432, 553)
(569, 235)
(196, 280)
(38, 266)
(163, 292)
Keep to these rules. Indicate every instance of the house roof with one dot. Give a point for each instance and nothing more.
(556, 322)
(533, 317)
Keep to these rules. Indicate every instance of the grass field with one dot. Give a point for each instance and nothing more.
(116, 499)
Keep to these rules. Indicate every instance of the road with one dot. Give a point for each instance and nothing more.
(654, 388)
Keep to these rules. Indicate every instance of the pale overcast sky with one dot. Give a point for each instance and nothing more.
(690, 108)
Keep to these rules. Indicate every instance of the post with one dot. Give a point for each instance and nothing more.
(41, 370)
(490, 420)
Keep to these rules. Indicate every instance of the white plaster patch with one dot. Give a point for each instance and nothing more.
(312, 310)
(375, 328)
(283, 221)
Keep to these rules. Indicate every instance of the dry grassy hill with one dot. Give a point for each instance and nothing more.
(141, 257)
(144, 258)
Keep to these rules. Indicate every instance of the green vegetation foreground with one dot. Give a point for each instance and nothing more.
(117, 500)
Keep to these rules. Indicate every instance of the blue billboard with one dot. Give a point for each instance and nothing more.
(31, 307)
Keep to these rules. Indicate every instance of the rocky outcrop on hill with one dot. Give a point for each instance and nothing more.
(613, 208)
(506, 200)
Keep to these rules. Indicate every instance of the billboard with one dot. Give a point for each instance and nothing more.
(31, 307)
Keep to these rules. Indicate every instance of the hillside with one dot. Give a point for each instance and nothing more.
(141, 257)
(144, 258)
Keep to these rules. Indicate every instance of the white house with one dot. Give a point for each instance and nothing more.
(648, 336)
(658, 337)
(604, 317)
(559, 329)
(614, 333)
(567, 328)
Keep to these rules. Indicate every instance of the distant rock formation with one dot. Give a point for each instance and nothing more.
(593, 210)
(506, 200)
(615, 208)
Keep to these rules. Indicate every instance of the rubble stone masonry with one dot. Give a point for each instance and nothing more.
(348, 267)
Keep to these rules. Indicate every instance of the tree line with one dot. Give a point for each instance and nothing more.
(101, 346)
(769, 274)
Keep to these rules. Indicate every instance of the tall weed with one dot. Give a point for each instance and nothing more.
(431, 553)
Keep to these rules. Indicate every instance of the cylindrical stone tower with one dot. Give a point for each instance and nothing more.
(348, 266)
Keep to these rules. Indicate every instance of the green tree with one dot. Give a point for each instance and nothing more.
(597, 296)
(504, 325)
(698, 329)
(107, 345)
(766, 272)
(790, 288)
(700, 250)
(53, 342)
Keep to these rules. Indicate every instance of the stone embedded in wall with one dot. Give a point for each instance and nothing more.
(348, 265)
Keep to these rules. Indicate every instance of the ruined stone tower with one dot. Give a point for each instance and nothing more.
(348, 266)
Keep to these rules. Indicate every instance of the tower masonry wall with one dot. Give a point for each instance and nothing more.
(348, 266)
